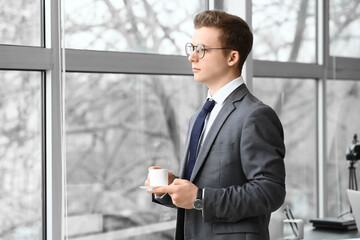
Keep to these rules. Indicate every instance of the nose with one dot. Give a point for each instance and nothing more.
(193, 57)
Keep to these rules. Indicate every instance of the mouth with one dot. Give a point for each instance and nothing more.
(195, 69)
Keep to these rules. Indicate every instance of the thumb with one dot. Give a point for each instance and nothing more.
(179, 181)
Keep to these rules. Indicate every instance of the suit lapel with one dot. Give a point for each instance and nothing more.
(187, 142)
(226, 110)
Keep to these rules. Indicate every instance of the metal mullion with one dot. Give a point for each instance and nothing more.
(42, 23)
(54, 125)
(343, 68)
(43, 156)
(322, 58)
(25, 58)
(245, 9)
(219, 4)
(126, 62)
(207, 4)
(43, 127)
(286, 69)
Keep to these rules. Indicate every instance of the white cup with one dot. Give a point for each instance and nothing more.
(158, 177)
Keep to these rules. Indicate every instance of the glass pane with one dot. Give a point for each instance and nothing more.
(294, 102)
(116, 127)
(344, 28)
(152, 26)
(343, 119)
(20, 151)
(284, 30)
(20, 22)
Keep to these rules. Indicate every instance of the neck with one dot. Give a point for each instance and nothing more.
(216, 85)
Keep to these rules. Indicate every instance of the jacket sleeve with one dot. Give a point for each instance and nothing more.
(262, 152)
(163, 200)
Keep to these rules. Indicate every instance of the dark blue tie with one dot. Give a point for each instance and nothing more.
(195, 136)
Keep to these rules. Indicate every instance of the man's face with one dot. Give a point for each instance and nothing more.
(212, 68)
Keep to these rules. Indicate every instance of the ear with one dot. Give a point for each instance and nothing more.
(233, 58)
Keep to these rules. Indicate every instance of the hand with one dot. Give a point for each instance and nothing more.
(183, 193)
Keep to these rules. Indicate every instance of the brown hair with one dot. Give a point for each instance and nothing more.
(236, 34)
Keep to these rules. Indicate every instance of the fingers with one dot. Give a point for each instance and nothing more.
(171, 178)
(147, 182)
(170, 189)
(162, 190)
(182, 192)
(179, 181)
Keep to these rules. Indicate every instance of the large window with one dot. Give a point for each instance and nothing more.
(133, 26)
(294, 102)
(343, 119)
(80, 127)
(20, 155)
(116, 127)
(284, 30)
(344, 22)
(20, 22)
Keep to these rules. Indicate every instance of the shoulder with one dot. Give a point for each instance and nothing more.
(251, 109)
(249, 104)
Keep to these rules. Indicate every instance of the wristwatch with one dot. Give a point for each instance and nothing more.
(198, 204)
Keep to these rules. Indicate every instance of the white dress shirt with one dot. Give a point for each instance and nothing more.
(219, 98)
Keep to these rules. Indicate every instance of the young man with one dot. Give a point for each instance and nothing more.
(232, 176)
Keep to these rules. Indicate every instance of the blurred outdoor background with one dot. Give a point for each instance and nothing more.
(119, 124)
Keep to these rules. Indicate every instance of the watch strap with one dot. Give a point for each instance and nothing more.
(200, 194)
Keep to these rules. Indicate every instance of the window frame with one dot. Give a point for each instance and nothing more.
(52, 59)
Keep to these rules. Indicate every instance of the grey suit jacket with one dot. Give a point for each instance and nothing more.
(241, 168)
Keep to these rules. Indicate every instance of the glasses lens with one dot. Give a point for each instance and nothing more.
(200, 51)
(189, 49)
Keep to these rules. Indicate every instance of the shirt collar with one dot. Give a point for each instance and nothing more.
(226, 90)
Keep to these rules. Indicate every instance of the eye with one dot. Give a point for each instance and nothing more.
(200, 48)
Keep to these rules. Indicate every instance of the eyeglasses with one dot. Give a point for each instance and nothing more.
(200, 50)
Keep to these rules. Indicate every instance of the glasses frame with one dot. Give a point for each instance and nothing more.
(198, 48)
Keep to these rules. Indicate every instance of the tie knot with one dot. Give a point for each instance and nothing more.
(209, 105)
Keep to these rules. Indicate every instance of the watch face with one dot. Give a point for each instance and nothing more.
(198, 204)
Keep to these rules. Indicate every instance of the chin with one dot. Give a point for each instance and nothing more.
(199, 79)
